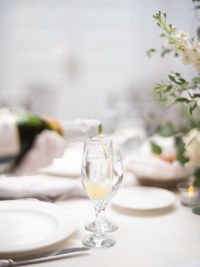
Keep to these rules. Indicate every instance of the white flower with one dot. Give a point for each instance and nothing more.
(173, 28)
(192, 148)
(185, 47)
(183, 36)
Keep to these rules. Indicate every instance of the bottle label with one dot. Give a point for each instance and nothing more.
(9, 136)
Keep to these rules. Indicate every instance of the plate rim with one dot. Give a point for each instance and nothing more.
(116, 203)
(65, 231)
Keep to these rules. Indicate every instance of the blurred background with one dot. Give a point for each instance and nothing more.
(87, 59)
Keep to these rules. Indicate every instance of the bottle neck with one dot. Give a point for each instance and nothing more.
(55, 125)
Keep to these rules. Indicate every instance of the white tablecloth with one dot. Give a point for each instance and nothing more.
(155, 239)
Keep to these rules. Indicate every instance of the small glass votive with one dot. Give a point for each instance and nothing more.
(189, 194)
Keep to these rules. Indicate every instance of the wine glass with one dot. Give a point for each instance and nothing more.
(97, 175)
(105, 224)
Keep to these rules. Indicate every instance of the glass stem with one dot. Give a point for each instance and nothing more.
(103, 210)
(98, 213)
(103, 214)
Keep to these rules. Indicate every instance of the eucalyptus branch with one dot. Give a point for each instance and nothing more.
(180, 43)
(163, 51)
(196, 7)
(167, 30)
(161, 22)
(178, 90)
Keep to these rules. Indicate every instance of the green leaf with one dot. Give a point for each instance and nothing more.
(182, 99)
(182, 80)
(169, 87)
(100, 128)
(195, 95)
(167, 130)
(197, 178)
(198, 32)
(196, 80)
(172, 78)
(180, 147)
(165, 51)
(155, 148)
(150, 51)
(162, 35)
(192, 108)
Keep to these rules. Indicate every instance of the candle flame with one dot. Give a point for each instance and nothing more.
(191, 191)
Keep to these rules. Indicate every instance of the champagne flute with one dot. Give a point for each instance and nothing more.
(105, 224)
(97, 175)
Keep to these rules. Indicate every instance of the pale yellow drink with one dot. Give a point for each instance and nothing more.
(97, 191)
(100, 190)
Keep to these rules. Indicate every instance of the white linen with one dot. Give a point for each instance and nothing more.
(40, 186)
(144, 239)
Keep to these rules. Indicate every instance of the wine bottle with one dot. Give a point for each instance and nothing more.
(19, 128)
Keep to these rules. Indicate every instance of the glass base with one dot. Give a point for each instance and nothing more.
(193, 204)
(106, 226)
(98, 241)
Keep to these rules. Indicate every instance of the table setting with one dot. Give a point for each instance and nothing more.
(120, 198)
(52, 212)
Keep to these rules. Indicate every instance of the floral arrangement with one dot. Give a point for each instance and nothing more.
(178, 90)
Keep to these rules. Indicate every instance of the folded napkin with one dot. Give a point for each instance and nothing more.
(145, 164)
(47, 146)
(40, 186)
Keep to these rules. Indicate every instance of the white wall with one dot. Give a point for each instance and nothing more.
(84, 51)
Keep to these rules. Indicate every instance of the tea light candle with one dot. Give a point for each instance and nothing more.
(189, 194)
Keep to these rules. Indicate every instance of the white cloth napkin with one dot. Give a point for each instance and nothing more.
(79, 129)
(145, 164)
(40, 186)
(47, 146)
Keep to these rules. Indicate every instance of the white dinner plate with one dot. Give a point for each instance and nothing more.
(143, 198)
(28, 226)
(69, 165)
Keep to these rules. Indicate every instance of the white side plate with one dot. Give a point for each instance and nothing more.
(143, 198)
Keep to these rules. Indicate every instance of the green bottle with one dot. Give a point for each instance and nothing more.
(19, 128)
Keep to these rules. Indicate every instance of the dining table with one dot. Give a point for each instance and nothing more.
(168, 236)
(155, 238)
